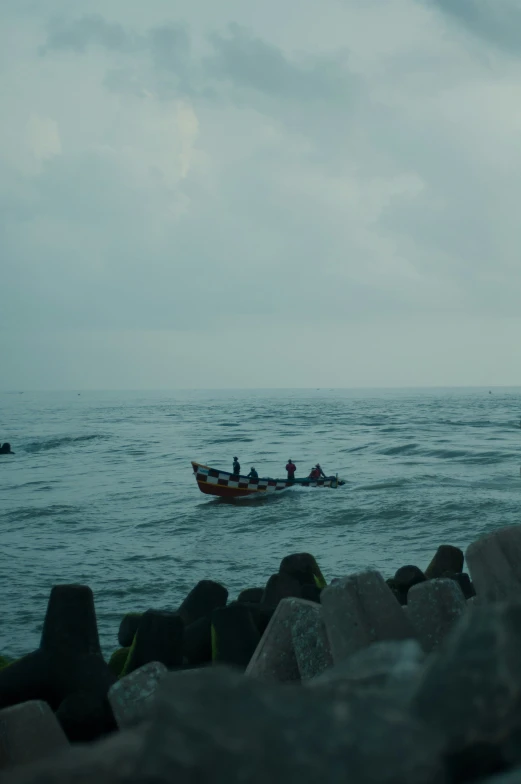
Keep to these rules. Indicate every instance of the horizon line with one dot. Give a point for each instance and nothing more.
(19, 391)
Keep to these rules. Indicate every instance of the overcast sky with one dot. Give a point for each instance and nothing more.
(260, 194)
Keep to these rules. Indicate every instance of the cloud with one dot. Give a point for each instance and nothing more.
(43, 137)
(495, 21)
(336, 179)
(91, 30)
(248, 62)
(170, 46)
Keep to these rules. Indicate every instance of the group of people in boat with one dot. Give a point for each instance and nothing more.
(315, 473)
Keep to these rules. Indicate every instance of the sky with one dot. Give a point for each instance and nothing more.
(245, 194)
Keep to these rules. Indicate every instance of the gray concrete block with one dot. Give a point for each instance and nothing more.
(274, 658)
(310, 640)
(359, 610)
(29, 732)
(131, 696)
(433, 609)
(494, 562)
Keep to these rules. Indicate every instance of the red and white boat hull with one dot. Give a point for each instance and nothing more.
(212, 481)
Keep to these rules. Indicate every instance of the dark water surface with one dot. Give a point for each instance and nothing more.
(101, 492)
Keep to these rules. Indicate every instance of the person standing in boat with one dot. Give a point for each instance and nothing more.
(253, 474)
(236, 467)
(291, 468)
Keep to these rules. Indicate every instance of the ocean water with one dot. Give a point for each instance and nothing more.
(101, 491)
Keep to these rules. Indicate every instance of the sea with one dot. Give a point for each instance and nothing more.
(100, 490)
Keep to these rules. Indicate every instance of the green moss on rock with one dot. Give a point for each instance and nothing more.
(126, 666)
(118, 660)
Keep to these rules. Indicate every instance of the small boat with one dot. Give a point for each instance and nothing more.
(213, 481)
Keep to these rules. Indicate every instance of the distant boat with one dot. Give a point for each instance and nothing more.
(213, 481)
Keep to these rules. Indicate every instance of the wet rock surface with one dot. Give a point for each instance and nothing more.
(128, 628)
(274, 658)
(413, 679)
(29, 732)
(131, 696)
(495, 565)
(69, 658)
(447, 560)
(280, 586)
(309, 638)
(390, 669)
(433, 608)
(286, 735)
(159, 638)
(471, 691)
(360, 610)
(234, 635)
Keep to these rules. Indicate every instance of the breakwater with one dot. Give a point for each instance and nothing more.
(414, 678)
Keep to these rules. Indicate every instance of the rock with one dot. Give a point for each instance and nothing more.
(464, 582)
(447, 559)
(261, 615)
(494, 563)
(29, 732)
(390, 668)
(26, 680)
(253, 595)
(360, 610)
(470, 691)
(70, 622)
(202, 600)
(109, 761)
(311, 593)
(407, 576)
(118, 660)
(130, 697)
(234, 635)
(219, 726)
(85, 717)
(159, 638)
(222, 727)
(128, 628)
(278, 587)
(400, 594)
(433, 609)
(69, 658)
(303, 568)
(274, 658)
(309, 638)
(197, 641)
(509, 777)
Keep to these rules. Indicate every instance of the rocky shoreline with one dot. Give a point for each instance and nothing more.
(411, 680)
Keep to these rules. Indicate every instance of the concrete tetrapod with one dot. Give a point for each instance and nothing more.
(362, 609)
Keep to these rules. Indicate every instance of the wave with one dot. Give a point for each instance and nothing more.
(480, 423)
(390, 484)
(446, 454)
(405, 449)
(231, 440)
(32, 513)
(46, 444)
(462, 456)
